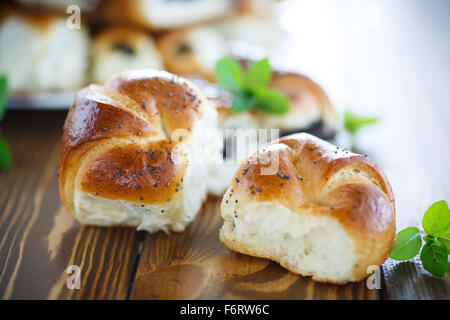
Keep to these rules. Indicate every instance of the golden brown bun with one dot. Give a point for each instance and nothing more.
(119, 152)
(314, 184)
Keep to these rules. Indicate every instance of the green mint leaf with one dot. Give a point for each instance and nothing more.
(437, 218)
(271, 100)
(353, 122)
(429, 239)
(444, 238)
(407, 245)
(259, 74)
(242, 101)
(5, 155)
(434, 258)
(229, 74)
(3, 95)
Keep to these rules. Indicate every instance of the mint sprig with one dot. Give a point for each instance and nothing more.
(434, 254)
(5, 152)
(249, 88)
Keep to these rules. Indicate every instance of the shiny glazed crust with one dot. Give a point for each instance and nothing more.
(125, 140)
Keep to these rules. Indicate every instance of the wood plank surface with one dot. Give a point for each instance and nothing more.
(194, 265)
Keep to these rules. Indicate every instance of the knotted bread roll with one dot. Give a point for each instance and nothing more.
(120, 48)
(316, 209)
(133, 152)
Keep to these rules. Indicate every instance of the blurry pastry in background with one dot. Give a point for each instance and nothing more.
(122, 48)
(38, 52)
(163, 14)
(255, 22)
(61, 5)
(192, 51)
(311, 110)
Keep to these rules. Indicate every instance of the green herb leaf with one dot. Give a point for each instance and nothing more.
(353, 122)
(429, 239)
(259, 74)
(242, 101)
(271, 100)
(229, 74)
(5, 154)
(407, 245)
(437, 218)
(3, 95)
(249, 90)
(434, 258)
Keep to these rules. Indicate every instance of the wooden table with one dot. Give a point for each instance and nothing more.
(39, 240)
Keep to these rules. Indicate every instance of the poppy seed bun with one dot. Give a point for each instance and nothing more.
(162, 14)
(116, 49)
(123, 160)
(38, 52)
(322, 212)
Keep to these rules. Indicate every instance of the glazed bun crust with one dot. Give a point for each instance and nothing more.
(325, 186)
(126, 146)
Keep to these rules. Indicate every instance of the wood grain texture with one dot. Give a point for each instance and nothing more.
(194, 265)
(39, 239)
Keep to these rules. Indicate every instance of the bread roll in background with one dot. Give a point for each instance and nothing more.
(311, 110)
(314, 208)
(38, 52)
(192, 51)
(119, 48)
(163, 14)
(134, 151)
